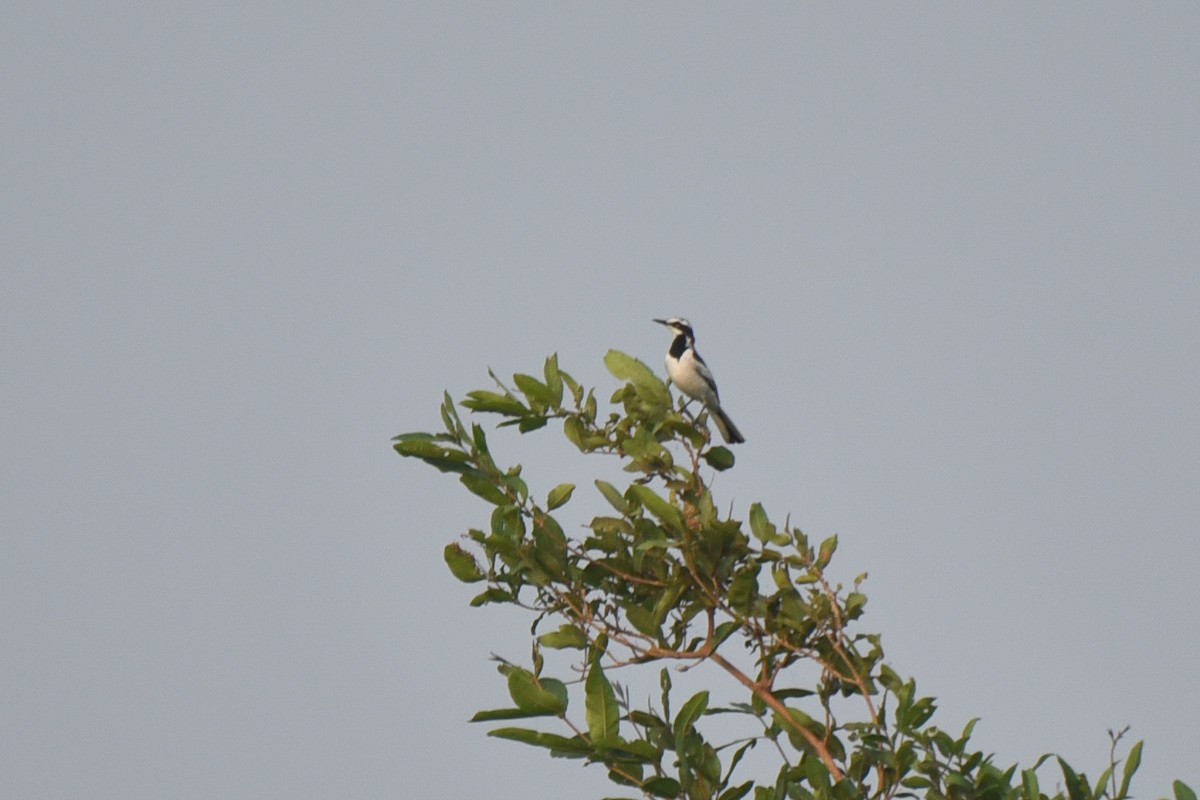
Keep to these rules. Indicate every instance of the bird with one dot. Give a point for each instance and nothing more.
(687, 370)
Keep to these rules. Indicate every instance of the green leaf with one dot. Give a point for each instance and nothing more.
(483, 487)
(573, 747)
(415, 436)
(737, 792)
(662, 786)
(574, 431)
(423, 447)
(890, 680)
(638, 750)
(559, 495)
(1183, 791)
(462, 564)
(566, 637)
(817, 775)
(760, 526)
(1029, 782)
(719, 458)
(554, 380)
(691, 711)
(513, 480)
(826, 552)
(537, 696)
(600, 704)
(491, 402)
(537, 393)
(527, 424)
(451, 419)
(743, 589)
(504, 713)
(1076, 789)
(614, 498)
(573, 385)
(1132, 762)
(854, 604)
(920, 713)
(628, 368)
(666, 513)
(493, 594)
(643, 446)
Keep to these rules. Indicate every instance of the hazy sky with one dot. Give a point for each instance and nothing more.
(943, 259)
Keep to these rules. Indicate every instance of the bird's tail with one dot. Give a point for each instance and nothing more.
(729, 431)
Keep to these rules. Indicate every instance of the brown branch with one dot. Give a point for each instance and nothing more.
(776, 705)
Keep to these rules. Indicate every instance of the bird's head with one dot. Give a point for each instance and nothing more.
(678, 325)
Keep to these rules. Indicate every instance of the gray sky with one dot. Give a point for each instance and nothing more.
(941, 257)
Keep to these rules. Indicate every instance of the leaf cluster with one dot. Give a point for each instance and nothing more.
(663, 578)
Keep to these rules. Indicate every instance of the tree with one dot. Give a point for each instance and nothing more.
(667, 581)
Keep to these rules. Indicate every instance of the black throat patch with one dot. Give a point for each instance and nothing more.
(679, 345)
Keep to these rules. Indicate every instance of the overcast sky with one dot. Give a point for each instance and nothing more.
(943, 259)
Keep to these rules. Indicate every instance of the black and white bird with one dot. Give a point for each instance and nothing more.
(691, 375)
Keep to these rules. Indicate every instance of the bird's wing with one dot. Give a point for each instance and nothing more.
(706, 374)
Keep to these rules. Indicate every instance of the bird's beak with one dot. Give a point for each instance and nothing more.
(660, 321)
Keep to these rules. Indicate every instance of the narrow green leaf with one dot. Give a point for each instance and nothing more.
(1029, 783)
(1183, 791)
(491, 402)
(600, 705)
(691, 711)
(1076, 789)
(724, 631)
(462, 564)
(614, 498)
(480, 439)
(554, 380)
(737, 792)
(415, 436)
(1132, 762)
(493, 594)
(433, 454)
(737, 759)
(574, 746)
(504, 713)
(664, 681)
(559, 495)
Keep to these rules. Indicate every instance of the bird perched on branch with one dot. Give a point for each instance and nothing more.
(691, 375)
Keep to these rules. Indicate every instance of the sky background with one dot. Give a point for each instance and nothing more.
(942, 259)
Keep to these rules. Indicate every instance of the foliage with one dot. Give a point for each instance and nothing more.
(665, 579)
